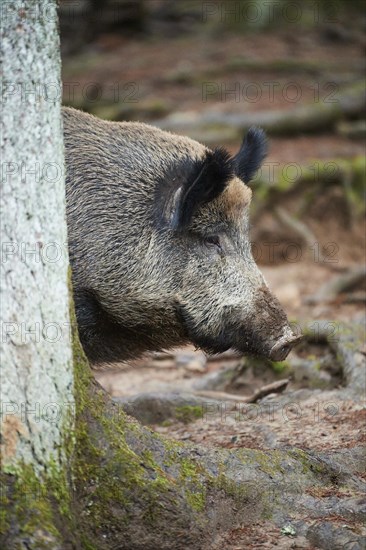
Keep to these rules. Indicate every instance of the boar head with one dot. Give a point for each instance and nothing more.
(159, 244)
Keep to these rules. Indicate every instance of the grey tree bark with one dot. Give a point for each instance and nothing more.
(37, 378)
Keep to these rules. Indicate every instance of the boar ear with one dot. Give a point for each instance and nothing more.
(251, 154)
(205, 182)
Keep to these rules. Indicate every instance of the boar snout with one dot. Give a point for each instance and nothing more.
(282, 348)
(272, 326)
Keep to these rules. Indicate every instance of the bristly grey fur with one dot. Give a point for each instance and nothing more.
(159, 244)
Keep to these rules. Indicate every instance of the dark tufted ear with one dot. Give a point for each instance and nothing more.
(197, 182)
(251, 154)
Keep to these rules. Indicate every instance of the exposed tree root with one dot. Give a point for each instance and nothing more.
(137, 490)
(306, 118)
(340, 283)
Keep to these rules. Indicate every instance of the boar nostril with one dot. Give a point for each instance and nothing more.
(285, 350)
(280, 351)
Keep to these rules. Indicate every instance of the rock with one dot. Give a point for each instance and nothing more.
(329, 536)
(155, 408)
(194, 361)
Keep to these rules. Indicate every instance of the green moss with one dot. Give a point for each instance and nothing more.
(194, 480)
(309, 465)
(35, 511)
(108, 473)
(237, 491)
(197, 501)
(166, 423)
(172, 450)
(246, 492)
(35, 503)
(188, 469)
(188, 413)
(271, 463)
(279, 367)
(348, 174)
(121, 477)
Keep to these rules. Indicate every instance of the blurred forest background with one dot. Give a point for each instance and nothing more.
(211, 69)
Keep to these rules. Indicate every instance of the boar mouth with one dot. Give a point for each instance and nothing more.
(197, 335)
(242, 338)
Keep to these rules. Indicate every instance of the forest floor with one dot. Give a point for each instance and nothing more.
(169, 75)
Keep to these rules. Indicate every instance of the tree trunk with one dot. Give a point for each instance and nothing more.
(37, 377)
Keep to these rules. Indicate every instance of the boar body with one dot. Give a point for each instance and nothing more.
(158, 230)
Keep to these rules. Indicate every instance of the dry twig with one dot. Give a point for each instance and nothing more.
(275, 387)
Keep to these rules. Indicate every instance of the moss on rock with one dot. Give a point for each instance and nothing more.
(188, 413)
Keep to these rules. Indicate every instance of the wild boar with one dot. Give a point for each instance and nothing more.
(159, 243)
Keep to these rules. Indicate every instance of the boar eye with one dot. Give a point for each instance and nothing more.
(213, 241)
